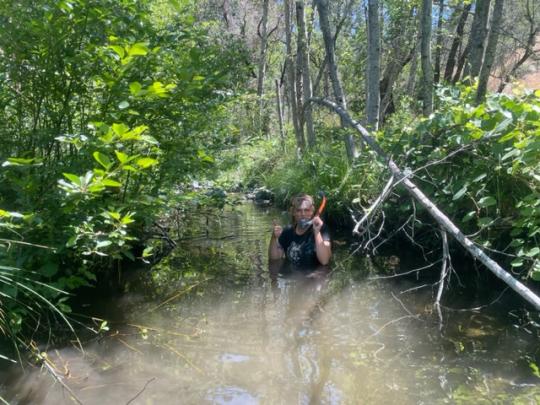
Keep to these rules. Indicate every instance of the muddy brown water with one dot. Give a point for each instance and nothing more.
(215, 324)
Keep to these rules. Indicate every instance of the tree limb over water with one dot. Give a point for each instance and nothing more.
(433, 210)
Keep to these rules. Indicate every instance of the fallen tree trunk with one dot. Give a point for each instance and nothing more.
(437, 214)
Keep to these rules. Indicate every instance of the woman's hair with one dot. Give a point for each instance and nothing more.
(296, 201)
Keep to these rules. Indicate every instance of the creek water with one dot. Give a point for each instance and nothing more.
(213, 323)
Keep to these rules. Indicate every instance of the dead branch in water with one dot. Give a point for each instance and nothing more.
(433, 210)
(141, 391)
(52, 369)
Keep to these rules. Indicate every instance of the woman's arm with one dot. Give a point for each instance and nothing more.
(275, 251)
(323, 248)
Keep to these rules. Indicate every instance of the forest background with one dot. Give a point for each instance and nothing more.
(114, 114)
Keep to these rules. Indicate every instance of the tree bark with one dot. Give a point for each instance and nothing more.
(291, 80)
(262, 53)
(461, 64)
(435, 212)
(491, 49)
(477, 39)
(280, 115)
(456, 43)
(427, 69)
(373, 101)
(411, 82)
(438, 46)
(263, 32)
(322, 7)
(306, 79)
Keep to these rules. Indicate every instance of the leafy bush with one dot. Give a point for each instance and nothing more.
(481, 164)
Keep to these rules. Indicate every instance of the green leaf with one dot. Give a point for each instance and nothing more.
(72, 241)
(138, 49)
(460, 193)
(111, 183)
(96, 188)
(118, 50)
(480, 177)
(12, 161)
(517, 262)
(73, 178)
(533, 252)
(129, 168)
(135, 88)
(120, 129)
(469, 216)
(102, 159)
(123, 105)
(121, 156)
(127, 219)
(487, 201)
(103, 243)
(146, 162)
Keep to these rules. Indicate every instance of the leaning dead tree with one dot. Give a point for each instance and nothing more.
(399, 177)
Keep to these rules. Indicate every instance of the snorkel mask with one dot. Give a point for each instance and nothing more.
(306, 223)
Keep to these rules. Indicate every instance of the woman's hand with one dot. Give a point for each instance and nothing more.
(317, 224)
(276, 230)
(275, 251)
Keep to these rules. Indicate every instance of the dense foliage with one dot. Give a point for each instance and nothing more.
(105, 106)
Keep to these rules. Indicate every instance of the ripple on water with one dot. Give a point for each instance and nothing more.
(231, 395)
(234, 358)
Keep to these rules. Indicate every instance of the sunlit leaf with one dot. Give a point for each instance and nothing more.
(138, 49)
(118, 50)
(111, 183)
(135, 88)
(73, 178)
(102, 159)
(146, 162)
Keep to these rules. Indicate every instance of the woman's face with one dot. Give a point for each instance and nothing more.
(303, 211)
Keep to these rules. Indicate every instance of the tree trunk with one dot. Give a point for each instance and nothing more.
(263, 119)
(322, 69)
(373, 101)
(291, 80)
(411, 82)
(306, 79)
(438, 46)
(477, 39)
(461, 64)
(437, 214)
(322, 7)
(491, 49)
(262, 53)
(427, 69)
(456, 43)
(280, 115)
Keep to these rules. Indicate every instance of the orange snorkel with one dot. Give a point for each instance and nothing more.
(322, 206)
(306, 223)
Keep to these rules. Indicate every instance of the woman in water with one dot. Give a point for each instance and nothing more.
(306, 242)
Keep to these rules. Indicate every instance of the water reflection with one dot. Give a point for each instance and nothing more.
(214, 324)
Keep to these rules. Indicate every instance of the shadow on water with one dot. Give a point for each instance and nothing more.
(214, 323)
